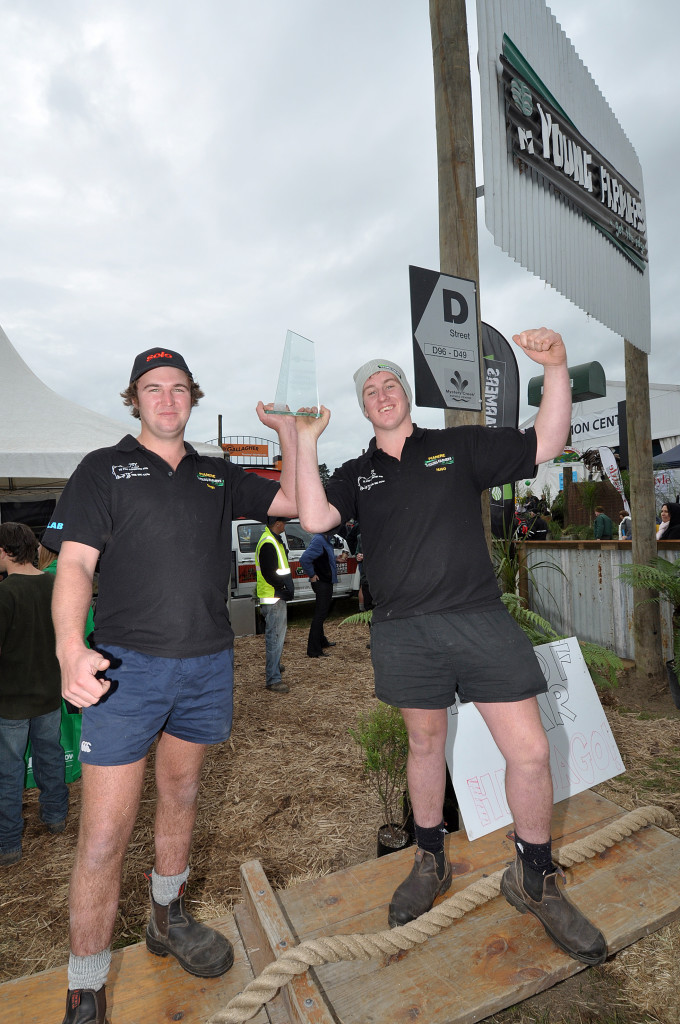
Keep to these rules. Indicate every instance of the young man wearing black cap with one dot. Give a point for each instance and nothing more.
(156, 516)
(438, 624)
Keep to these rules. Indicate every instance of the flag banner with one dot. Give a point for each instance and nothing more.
(611, 468)
(501, 409)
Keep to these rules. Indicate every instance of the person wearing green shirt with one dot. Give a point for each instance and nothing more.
(603, 526)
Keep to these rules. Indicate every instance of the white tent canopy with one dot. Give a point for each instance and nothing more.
(43, 436)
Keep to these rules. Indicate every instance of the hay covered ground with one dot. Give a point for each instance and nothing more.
(288, 791)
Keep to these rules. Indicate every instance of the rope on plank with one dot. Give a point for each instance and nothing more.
(334, 948)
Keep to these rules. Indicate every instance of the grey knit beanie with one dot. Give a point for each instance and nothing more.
(375, 366)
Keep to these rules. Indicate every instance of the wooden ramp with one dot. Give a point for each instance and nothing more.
(490, 959)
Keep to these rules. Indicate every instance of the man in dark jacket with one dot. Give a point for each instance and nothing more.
(318, 561)
(30, 691)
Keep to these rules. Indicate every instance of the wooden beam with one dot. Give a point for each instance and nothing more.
(302, 995)
(458, 249)
(646, 616)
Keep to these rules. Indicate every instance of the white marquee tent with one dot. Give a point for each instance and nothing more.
(43, 436)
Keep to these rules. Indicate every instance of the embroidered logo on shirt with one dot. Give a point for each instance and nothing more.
(365, 483)
(211, 480)
(439, 462)
(132, 469)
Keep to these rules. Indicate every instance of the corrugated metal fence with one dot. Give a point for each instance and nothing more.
(576, 586)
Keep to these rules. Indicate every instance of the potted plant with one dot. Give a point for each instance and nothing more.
(664, 577)
(383, 741)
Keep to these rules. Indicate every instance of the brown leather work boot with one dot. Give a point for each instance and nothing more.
(418, 891)
(198, 949)
(565, 924)
(85, 1006)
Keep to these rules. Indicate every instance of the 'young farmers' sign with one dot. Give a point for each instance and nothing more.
(583, 751)
(546, 141)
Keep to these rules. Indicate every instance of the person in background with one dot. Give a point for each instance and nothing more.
(47, 562)
(439, 626)
(318, 561)
(625, 526)
(30, 692)
(275, 587)
(537, 527)
(603, 528)
(669, 528)
(156, 517)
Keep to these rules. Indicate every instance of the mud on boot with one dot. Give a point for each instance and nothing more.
(85, 1006)
(418, 891)
(565, 924)
(198, 949)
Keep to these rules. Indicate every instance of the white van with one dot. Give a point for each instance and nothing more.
(242, 599)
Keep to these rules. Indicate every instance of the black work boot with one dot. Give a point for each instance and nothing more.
(417, 893)
(565, 924)
(198, 949)
(85, 1006)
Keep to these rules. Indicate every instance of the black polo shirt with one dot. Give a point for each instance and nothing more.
(165, 543)
(420, 516)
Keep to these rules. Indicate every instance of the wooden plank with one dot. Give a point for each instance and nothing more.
(302, 995)
(501, 956)
(259, 956)
(142, 988)
(324, 904)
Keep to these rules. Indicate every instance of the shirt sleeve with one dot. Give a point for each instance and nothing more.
(502, 454)
(83, 512)
(251, 494)
(341, 490)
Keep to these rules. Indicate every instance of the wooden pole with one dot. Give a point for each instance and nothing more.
(458, 251)
(646, 616)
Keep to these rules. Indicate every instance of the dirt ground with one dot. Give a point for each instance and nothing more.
(286, 790)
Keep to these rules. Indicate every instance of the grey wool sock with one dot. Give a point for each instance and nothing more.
(89, 971)
(165, 888)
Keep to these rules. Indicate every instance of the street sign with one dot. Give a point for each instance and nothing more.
(445, 340)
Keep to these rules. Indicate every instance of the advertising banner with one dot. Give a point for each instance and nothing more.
(583, 751)
(610, 466)
(501, 409)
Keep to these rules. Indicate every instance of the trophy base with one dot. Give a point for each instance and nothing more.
(287, 412)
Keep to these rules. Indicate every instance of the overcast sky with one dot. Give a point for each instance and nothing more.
(207, 176)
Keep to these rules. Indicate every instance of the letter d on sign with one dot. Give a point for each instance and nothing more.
(449, 316)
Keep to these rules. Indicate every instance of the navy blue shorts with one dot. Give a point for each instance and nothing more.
(424, 660)
(189, 698)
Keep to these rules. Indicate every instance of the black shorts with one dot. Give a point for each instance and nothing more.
(424, 660)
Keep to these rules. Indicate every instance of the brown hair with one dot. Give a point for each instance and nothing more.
(19, 542)
(130, 396)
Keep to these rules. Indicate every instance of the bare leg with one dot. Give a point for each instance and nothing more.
(178, 774)
(426, 769)
(110, 801)
(519, 735)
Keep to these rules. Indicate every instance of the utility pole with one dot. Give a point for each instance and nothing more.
(646, 616)
(458, 252)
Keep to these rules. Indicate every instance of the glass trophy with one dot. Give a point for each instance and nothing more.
(297, 386)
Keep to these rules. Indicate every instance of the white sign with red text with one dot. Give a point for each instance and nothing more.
(583, 751)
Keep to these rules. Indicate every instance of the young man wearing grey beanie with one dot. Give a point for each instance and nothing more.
(438, 624)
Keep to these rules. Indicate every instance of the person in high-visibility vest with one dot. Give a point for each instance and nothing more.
(274, 588)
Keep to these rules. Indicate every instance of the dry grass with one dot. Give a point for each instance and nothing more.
(287, 790)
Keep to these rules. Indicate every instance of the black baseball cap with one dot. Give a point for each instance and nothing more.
(154, 357)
